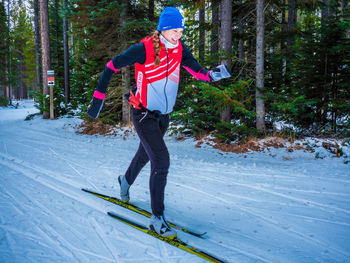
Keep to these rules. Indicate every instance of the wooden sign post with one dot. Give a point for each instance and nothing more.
(51, 83)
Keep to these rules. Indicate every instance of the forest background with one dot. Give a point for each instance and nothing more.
(290, 62)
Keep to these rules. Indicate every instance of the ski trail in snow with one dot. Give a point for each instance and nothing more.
(312, 191)
(67, 245)
(229, 181)
(163, 250)
(69, 163)
(304, 237)
(64, 246)
(300, 200)
(48, 211)
(5, 147)
(66, 160)
(277, 211)
(287, 174)
(17, 231)
(47, 180)
(38, 170)
(318, 219)
(13, 200)
(273, 223)
(36, 149)
(46, 133)
(77, 253)
(52, 236)
(235, 196)
(71, 190)
(11, 243)
(226, 245)
(105, 240)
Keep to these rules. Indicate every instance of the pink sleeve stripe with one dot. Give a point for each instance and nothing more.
(111, 66)
(99, 95)
(198, 75)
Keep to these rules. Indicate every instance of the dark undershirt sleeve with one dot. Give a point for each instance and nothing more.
(134, 54)
(193, 67)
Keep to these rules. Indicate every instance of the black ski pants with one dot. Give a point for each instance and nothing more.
(151, 127)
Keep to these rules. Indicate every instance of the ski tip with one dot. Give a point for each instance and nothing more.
(200, 235)
(98, 194)
(115, 216)
(88, 191)
(188, 231)
(203, 235)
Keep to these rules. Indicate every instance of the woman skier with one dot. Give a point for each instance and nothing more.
(157, 60)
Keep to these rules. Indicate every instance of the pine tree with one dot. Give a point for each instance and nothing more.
(226, 44)
(23, 61)
(66, 55)
(201, 50)
(259, 95)
(37, 45)
(4, 48)
(45, 54)
(101, 33)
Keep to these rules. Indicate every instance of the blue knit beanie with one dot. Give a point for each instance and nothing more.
(170, 18)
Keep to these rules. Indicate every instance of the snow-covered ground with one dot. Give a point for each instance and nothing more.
(258, 207)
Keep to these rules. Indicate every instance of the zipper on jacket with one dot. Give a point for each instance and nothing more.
(166, 81)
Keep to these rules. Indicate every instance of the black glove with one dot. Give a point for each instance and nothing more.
(95, 107)
(220, 72)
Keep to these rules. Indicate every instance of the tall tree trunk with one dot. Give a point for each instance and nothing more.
(202, 31)
(4, 40)
(292, 13)
(322, 109)
(226, 44)
(71, 51)
(10, 54)
(57, 37)
(240, 41)
(283, 44)
(226, 30)
(260, 104)
(45, 50)
(126, 118)
(126, 75)
(325, 10)
(20, 94)
(66, 55)
(215, 27)
(37, 44)
(151, 10)
(344, 4)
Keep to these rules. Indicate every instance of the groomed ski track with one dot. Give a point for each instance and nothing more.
(262, 208)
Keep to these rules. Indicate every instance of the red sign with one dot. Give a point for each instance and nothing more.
(50, 78)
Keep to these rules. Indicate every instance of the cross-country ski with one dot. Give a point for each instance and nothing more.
(174, 242)
(140, 211)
